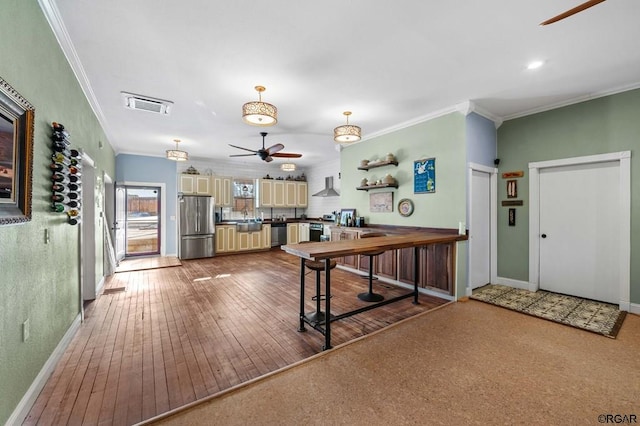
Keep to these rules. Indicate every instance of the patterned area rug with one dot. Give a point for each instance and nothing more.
(597, 317)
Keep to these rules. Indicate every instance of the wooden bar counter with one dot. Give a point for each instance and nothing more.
(323, 251)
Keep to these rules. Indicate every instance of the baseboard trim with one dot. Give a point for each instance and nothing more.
(634, 308)
(24, 406)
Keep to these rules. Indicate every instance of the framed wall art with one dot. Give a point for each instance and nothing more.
(424, 176)
(16, 155)
(512, 189)
(381, 202)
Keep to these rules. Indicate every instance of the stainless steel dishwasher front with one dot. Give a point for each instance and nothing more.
(278, 233)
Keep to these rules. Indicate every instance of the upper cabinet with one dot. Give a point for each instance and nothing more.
(195, 184)
(222, 191)
(282, 193)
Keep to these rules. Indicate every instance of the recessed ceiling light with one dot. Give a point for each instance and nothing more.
(534, 65)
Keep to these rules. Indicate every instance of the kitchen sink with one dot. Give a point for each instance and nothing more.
(248, 226)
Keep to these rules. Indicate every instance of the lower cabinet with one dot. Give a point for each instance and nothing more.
(249, 240)
(266, 236)
(292, 233)
(225, 238)
(435, 263)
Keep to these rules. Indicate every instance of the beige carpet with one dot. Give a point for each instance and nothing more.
(465, 363)
(142, 263)
(598, 317)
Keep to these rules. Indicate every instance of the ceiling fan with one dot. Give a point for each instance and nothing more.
(579, 8)
(267, 154)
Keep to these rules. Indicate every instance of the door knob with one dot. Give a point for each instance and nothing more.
(544, 235)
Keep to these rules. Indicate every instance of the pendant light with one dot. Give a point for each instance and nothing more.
(176, 154)
(258, 113)
(346, 133)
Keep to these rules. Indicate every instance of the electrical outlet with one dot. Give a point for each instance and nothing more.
(25, 330)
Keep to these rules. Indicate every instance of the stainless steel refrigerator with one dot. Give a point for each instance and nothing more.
(197, 226)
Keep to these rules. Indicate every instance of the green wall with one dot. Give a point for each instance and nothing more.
(443, 138)
(39, 281)
(603, 125)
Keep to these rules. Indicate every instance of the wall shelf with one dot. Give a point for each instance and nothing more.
(384, 185)
(378, 164)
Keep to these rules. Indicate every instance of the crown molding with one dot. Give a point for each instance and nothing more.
(52, 14)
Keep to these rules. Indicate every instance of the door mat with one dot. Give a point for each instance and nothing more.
(597, 317)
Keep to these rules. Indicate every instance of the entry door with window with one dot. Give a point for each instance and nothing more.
(137, 220)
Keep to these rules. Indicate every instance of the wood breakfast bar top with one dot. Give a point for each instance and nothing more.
(331, 249)
(326, 250)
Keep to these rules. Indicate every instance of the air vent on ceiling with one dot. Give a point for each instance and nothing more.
(146, 103)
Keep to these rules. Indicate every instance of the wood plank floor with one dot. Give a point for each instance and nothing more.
(165, 337)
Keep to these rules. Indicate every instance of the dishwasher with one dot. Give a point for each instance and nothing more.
(278, 234)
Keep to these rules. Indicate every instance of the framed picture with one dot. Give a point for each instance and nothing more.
(381, 202)
(512, 217)
(424, 176)
(345, 215)
(16, 155)
(512, 189)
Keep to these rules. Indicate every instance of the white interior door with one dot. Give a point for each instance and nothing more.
(480, 230)
(120, 224)
(579, 230)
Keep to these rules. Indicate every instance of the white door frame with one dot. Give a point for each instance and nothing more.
(493, 268)
(163, 210)
(624, 157)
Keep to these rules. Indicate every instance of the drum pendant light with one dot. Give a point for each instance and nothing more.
(258, 113)
(176, 154)
(346, 133)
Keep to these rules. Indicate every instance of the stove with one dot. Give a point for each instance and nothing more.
(316, 229)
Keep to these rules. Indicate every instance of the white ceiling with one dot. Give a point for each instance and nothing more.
(388, 62)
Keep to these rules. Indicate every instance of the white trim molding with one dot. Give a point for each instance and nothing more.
(493, 236)
(624, 238)
(24, 406)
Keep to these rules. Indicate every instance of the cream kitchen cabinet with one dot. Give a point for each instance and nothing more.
(222, 191)
(195, 184)
(282, 193)
(278, 193)
(265, 193)
(249, 240)
(292, 233)
(295, 194)
(226, 238)
(302, 194)
(266, 236)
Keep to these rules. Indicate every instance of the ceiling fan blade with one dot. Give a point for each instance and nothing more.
(242, 155)
(579, 8)
(268, 159)
(275, 148)
(246, 149)
(286, 155)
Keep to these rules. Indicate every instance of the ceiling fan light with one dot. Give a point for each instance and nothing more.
(288, 167)
(258, 113)
(347, 133)
(176, 154)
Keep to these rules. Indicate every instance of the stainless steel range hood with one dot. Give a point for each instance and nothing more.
(328, 190)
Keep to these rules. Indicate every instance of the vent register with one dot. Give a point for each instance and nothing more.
(146, 103)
